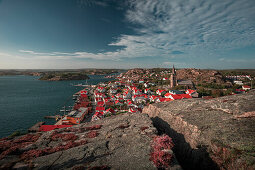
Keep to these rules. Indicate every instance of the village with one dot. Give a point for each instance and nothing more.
(129, 92)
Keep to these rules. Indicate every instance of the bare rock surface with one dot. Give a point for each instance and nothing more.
(216, 133)
(117, 142)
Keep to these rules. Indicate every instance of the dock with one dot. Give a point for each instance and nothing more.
(52, 117)
(36, 127)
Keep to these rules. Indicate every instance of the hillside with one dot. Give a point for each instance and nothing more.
(117, 142)
(200, 76)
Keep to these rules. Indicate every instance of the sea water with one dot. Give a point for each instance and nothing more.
(25, 100)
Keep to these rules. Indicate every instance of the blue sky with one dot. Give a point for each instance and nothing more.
(58, 34)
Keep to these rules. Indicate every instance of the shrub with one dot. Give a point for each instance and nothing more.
(161, 154)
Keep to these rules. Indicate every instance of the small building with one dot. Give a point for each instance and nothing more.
(188, 84)
(238, 82)
(75, 116)
(245, 87)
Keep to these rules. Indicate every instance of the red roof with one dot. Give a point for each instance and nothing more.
(168, 94)
(100, 103)
(189, 91)
(84, 95)
(160, 91)
(110, 110)
(245, 86)
(100, 108)
(45, 128)
(186, 96)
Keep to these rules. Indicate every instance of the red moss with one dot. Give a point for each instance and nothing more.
(34, 153)
(63, 136)
(8, 151)
(12, 146)
(143, 128)
(160, 154)
(46, 151)
(27, 138)
(94, 127)
(92, 134)
(161, 158)
(162, 142)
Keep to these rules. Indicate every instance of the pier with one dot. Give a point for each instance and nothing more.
(36, 127)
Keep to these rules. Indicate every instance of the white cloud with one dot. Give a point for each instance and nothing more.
(196, 28)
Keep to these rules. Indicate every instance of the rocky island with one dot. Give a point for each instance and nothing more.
(64, 76)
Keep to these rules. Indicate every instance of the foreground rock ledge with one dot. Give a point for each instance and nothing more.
(117, 142)
(210, 134)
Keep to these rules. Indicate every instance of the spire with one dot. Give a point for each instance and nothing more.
(173, 70)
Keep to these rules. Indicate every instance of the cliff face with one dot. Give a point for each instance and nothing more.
(217, 133)
(117, 142)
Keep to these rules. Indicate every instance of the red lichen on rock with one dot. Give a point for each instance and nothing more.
(143, 128)
(161, 154)
(27, 138)
(34, 153)
(64, 136)
(94, 127)
(46, 151)
(92, 134)
(11, 146)
(8, 151)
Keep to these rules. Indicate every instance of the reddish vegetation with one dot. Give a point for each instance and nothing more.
(36, 152)
(63, 136)
(11, 146)
(92, 134)
(123, 126)
(161, 147)
(143, 128)
(27, 138)
(94, 127)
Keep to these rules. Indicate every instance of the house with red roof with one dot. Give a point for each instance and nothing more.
(147, 91)
(127, 95)
(192, 93)
(162, 99)
(159, 91)
(132, 110)
(168, 95)
(136, 91)
(153, 98)
(97, 116)
(180, 96)
(100, 103)
(113, 91)
(99, 109)
(109, 112)
(84, 92)
(100, 89)
(246, 87)
(118, 102)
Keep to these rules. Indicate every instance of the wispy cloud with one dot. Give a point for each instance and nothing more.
(177, 28)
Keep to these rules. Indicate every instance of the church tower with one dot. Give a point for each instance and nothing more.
(173, 78)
